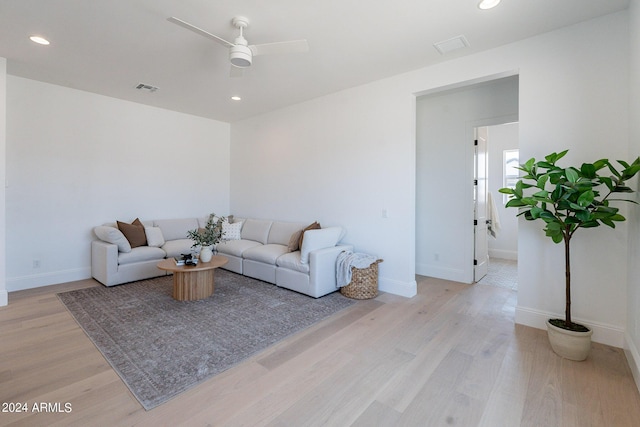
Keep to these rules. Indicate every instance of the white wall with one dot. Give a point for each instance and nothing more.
(444, 172)
(344, 157)
(76, 160)
(323, 160)
(4, 296)
(578, 101)
(503, 137)
(341, 159)
(632, 344)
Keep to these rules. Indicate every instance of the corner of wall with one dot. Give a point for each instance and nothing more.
(633, 358)
(4, 296)
(632, 333)
(602, 333)
(396, 287)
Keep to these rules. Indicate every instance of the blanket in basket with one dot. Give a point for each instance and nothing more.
(348, 259)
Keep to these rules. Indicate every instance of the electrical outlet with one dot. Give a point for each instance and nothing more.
(36, 263)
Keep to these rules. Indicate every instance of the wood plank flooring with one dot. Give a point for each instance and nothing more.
(451, 356)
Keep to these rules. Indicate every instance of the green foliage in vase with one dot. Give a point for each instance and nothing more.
(210, 235)
(571, 198)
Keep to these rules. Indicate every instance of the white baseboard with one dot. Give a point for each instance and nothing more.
(396, 287)
(405, 289)
(4, 297)
(502, 254)
(633, 358)
(602, 333)
(46, 279)
(445, 273)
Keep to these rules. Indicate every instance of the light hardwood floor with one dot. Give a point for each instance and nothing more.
(451, 356)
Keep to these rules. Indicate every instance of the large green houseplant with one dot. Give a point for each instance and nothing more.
(568, 199)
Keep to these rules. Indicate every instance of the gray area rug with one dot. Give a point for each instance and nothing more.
(161, 347)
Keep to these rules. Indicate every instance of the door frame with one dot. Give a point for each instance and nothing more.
(470, 127)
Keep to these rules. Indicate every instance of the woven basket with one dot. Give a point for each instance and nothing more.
(364, 282)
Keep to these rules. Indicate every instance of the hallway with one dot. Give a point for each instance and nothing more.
(502, 273)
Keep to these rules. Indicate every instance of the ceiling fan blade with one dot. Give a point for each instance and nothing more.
(294, 46)
(197, 30)
(235, 71)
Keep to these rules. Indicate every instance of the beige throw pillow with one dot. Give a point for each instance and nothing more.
(294, 241)
(154, 235)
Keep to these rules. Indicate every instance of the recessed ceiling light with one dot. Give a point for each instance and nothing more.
(39, 40)
(236, 98)
(488, 4)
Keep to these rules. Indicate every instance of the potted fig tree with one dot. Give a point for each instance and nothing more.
(567, 200)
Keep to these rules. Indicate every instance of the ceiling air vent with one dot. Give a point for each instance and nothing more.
(148, 88)
(452, 44)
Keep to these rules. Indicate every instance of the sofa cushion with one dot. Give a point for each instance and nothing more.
(231, 231)
(175, 248)
(154, 236)
(139, 254)
(134, 232)
(319, 239)
(114, 236)
(235, 247)
(268, 253)
(174, 229)
(291, 261)
(256, 230)
(314, 226)
(281, 232)
(294, 241)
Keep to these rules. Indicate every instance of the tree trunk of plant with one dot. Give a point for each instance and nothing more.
(567, 269)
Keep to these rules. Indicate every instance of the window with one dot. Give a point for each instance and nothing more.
(511, 173)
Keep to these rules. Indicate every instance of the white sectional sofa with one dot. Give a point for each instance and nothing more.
(114, 262)
(262, 251)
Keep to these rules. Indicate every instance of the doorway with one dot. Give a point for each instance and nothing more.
(445, 123)
(497, 153)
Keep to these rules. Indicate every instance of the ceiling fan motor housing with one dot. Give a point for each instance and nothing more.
(240, 53)
(240, 56)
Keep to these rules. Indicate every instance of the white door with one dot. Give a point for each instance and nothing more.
(481, 246)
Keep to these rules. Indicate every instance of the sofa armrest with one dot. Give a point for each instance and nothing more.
(104, 261)
(321, 238)
(322, 268)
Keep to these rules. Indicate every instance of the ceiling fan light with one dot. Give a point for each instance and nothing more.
(240, 56)
(488, 4)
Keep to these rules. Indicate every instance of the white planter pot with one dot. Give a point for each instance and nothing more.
(571, 345)
(206, 254)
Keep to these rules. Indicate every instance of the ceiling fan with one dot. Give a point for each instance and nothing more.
(241, 53)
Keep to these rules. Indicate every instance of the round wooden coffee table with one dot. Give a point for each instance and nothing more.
(192, 282)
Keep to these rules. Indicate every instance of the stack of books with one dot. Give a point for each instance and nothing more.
(186, 260)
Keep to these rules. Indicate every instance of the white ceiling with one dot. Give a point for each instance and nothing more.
(109, 46)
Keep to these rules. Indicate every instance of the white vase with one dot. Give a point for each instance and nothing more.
(206, 254)
(571, 345)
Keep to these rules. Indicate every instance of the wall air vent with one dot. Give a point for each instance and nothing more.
(145, 87)
(451, 44)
